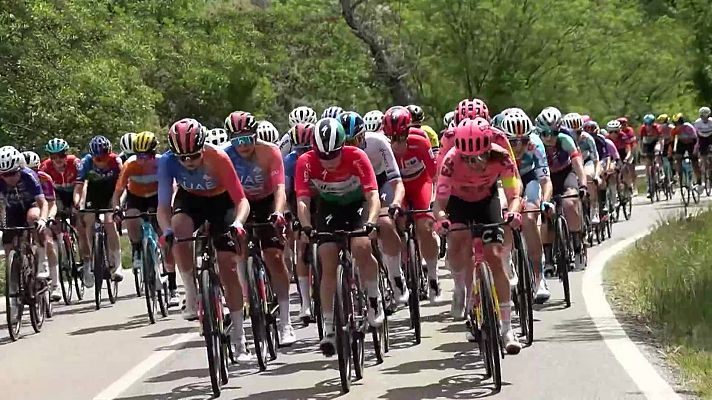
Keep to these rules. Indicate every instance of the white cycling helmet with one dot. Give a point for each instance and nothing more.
(548, 119)
(705, 111)
(302, 115)
(516, 124)
(573, 121)
(126, 142)
(448, 119)
(613, 125)
(11, 159)
(373, 120)
(217, 137)
(267, 132)
(332, 112)
(32, 159)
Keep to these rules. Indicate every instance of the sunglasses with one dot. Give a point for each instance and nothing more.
(58, 156)
(190, 157)
(244, 140)
(549, 133)
(475, 159)
(329, 156)
(518, 141)
(10, 174)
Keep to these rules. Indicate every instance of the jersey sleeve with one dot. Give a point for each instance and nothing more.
(285, 144)
(508, 176)
(32, 181)
(594, 149)
(47, 186)
(276, 170)
(364, 171)
(444, 185)
(302, 176)
(389, 159)
(84, 167)
(165, 181)
(224, 171)
(569, 146)
(425, 153)
(123, 180)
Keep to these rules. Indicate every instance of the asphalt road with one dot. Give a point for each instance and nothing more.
(116, 353)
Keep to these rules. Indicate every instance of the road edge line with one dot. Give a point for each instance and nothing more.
(139, 370)
(626, 352)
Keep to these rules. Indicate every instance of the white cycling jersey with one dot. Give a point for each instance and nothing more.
(285, 144)
(704, 129)
(378, 150)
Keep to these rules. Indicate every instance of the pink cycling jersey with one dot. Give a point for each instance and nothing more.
(474, 183)
(47, 184)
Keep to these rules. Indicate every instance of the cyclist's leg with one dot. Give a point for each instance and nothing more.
(572, 212)
(530, 228)
(695, 158)
(114, 246)
(459, 254)
(187, 215)
(419, 194)
(391, 246)
(303, 273)
(134, 206)
(590, 170)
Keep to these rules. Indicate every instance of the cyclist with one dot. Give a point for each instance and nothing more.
(447, 123)
(342, 179)
(628, 131)
(588, 146)
(666, 134)
(266, 132)
(650, 133)
(567, 174)
(536, 182)
(624, 145)
(32, 161)
(260, 168)
(685, 140)
(418, 116)
(374, 121)
(138, 178)
(126, 144)
(390, 188)
(332, 112)
(22, 203)
(302, 114)
(217, 137)
(416, 162)
(467, 193)
(703, 125)
(208, 190)
(98, 173)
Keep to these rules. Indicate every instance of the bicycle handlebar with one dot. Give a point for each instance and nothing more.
(96, 211)
(481, 227)
(18, 229)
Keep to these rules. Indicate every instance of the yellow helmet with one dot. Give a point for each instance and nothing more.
(145, 142)
(662, 119)
(678, 118)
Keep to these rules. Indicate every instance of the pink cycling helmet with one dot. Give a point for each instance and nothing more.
(186, 136)
(473, 139)
(471, 109)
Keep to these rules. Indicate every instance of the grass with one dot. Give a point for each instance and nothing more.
(666, 281)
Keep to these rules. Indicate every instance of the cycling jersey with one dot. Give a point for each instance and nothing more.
(140, 176)
(260, 175)
(533, 158)
(685, 133)
(560, 155)
(24, 194)
(379, 152)
(47, 185)
(63, 180)
(417, 131)
(448, 140)
(630, 132)
(587, 147)
(475, 183)
(417, 161)
(704, 129)
(612, 151)
(215, 176)
(666, 130)
(650, 133)
(346, 184)
(88, 171)
(285, 144)
(432, 136)
(622, 141)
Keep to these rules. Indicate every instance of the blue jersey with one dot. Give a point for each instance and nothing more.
(24, 193)
(534, 158)
(290, 167)
(88, 171)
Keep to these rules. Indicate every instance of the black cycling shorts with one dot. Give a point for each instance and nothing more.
(218, 210)
(563, 180)
(682, 148)
(15, 217)
(332, 216)
(269, 237)
(705, 143)
(99, 194)
(143, 204)
(487, 211)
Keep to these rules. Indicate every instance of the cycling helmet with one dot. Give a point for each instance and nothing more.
(32, 160)
(332, 112)
(302, 134)
(497, 120)
(56, 145)
(603, 132)
(705, 111)
(648, 119)
(471, 109)
(416, 114)
(678, 118)
(472, 138)
(573, 121)
(329, 137)
(186, 136)
(663, 119)
(622, 120)
(240, 122)
(586, 118)
(302, 114)
(591, 127)
(127, 142)
(516, 124)
(145, 142)
(217, 137)
(99, 146)
(613, 126)
(352, 123)
(396, 121)
(373, 120)
(448, 118)
(11, 160)
(267, 132)
(549, 119)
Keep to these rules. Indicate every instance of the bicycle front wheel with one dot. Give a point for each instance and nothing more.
(561, 254)
(99, 269)
(14, 302)
(70, 243)
(490, 327)
(149, 282)
(210, 330)
(414, 287)
(39, 307)
(524, 289)
(257, 314)
(64, 263)
(342, 314)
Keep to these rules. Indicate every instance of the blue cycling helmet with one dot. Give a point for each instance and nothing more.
(648, 119)
(99, 145)
(353, 124)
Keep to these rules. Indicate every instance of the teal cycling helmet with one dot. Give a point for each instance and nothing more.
(56, 145)
(497, 120)
(648, 119)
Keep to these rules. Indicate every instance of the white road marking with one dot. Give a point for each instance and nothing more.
(134, 374)
(644, 374)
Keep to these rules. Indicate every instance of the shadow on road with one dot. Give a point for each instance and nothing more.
(195, 391)
(324, 390)
(171, 332)
(137, 321)
(463, 386)
(582, 330)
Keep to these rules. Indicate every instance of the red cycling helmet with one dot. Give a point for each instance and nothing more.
(396, 121)
(472, 138)
(302, 134)
(240, 122)
(471, 109)
(186, 136)
(622, 120)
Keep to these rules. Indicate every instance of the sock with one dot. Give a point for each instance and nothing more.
(172, 281)
(372, 288)
(505, 311)
(328, 322)
(284, 310)
(459, 280)
(432, 265)
(238, 330)
(189, 285)
(136, 250)
(304, 291)
(41, 254)
(548, 253)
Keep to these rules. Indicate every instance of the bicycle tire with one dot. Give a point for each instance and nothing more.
(98, 265)
(358, 302)
(708, 184)
(12, 274)
(257, 315)
(380, 334)
(149, 284)
(64, 265)
(524, 289)
(77, 272)
(162, 292)
(272, 306)
(342, 330)
(414, 283)
(315, 269)
(561, 252)
(490, 332)
(138, 281)
(685, 193)
(38, 304)
(208, 324)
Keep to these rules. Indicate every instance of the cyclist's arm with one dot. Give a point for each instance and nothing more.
(220, 166)
(165, 193)
(392, 172)
(121, 184)
(303, 191)
(278, 180)
(443, 188)
(364, 171)
(398, 190)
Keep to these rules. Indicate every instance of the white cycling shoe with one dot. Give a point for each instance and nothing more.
(287, 337)
(189, 310)
(457, 307)
(511, 344)
(88, 275)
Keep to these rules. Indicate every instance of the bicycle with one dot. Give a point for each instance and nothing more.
(22, 285)
(707, 163)
(380, 335)
(350, 311)
(483, 318)
(311, 259)
(213, 321)
(71, 275)
(154, 279)
(263, 307)
(416, 280)
(563, 251)
(524, 291)
(625, 196)
(686, 189)
(100, 263)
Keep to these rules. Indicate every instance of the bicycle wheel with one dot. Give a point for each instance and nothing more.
(380, 334)
(99, 268)
(112, 286)
(257, 314)
(39, 307)
(148, 275)
(315, 269)
(70, 243)
(561, 254)
(490, 329)
(162, 292)
(524, 289)
(358, 298)
(272, 306)
(208, 324)
(708, 182)
(414, 286)
(64, 265)
(14, 302)
(139, 281)
(342, 317)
